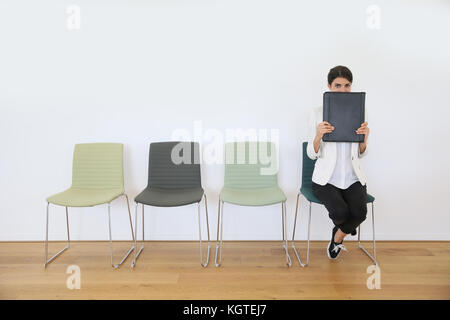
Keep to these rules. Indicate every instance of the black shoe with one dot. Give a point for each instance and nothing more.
(353, 233)
(334, 248)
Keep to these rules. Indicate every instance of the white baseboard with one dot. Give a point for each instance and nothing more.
(234, 237)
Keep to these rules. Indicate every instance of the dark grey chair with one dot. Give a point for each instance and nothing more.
(174, 180)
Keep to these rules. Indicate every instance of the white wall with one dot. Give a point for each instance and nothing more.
(138, 70)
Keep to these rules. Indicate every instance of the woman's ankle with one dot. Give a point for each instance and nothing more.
(339, 236)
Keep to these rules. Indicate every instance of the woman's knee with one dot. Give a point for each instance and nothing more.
(359, 212)
(339, 215)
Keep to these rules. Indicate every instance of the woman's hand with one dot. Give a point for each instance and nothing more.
(322, 128)
(364, 129)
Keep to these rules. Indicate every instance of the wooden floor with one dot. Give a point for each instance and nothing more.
(250, 270)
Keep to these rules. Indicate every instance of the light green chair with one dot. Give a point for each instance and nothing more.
(250, 180)
(97, 178)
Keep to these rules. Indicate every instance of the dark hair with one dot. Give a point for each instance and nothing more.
(339, 71)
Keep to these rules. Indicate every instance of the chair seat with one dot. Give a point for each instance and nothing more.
(370, 198)
(76, 197)
(169, 197)
(307, 192)
(252, 197)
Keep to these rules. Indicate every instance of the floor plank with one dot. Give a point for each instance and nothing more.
(250, 270)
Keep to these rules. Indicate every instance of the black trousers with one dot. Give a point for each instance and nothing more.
(346, 207)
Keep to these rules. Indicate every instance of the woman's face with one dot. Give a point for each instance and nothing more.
(340, 85)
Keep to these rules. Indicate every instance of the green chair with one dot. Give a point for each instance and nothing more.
(97, 178)
(249, 181)
(306, 191)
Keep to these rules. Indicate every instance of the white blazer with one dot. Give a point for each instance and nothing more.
(327, 154)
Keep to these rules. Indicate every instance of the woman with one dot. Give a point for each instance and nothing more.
(338, 180)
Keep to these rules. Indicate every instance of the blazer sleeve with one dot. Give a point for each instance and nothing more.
(312, 129)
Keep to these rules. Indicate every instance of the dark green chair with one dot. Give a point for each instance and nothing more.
(306, 191)
(173, 180)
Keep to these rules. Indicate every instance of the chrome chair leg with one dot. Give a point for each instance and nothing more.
(47, 261)
(200, 234)
(282, 224)
(285, 244)
(374, 257)
(293, 234)
(110, 236)
(219, 233)
(219, 242)
(136, 255)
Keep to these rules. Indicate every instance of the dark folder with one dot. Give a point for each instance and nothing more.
(345, 112)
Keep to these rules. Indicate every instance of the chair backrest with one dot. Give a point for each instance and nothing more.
(245, 168)
(307, 168)
(174, 164)
(98, 166)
